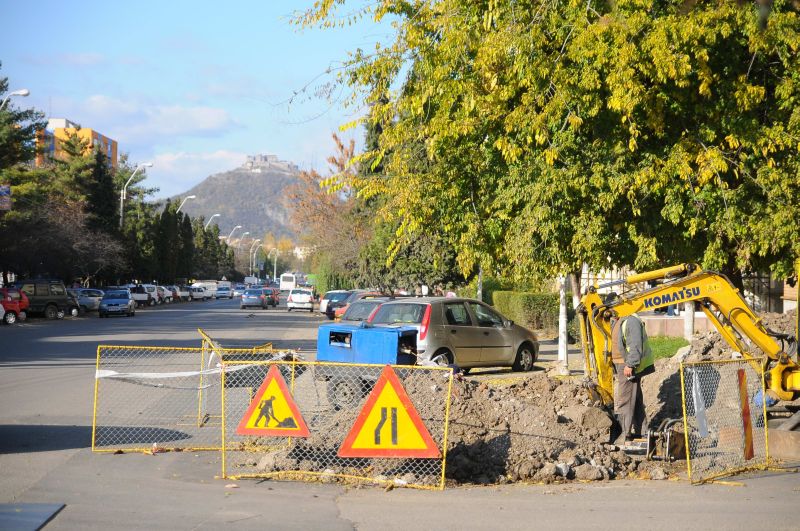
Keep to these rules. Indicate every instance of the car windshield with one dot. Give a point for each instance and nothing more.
(359, 311)
(115, 295)
(254, 292)
(336, 297)
(399, 313)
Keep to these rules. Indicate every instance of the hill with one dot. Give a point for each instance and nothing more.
(251, 196)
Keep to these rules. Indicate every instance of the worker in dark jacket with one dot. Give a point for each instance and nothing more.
(633, 359)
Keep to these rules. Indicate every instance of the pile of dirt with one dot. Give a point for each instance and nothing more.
(662, 390)
(538, 429)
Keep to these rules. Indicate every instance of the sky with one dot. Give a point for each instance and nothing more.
(193, 87)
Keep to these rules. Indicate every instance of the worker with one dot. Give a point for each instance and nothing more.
(633, 359)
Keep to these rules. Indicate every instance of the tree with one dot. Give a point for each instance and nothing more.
(570, 132)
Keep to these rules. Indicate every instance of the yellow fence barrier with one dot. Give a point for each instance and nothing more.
(165, 398)
(320, 421)
(724, 418)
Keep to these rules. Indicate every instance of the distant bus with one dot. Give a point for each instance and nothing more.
(288, 281)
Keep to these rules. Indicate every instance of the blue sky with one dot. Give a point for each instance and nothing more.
(193, 87)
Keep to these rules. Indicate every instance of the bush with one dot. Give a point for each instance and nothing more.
(535, 311)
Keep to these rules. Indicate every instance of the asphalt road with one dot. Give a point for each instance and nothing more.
(46, 387)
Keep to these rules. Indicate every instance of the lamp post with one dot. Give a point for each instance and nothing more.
(184, 202)
(21, 92)
(124, 188)
(274, 263)
(228, 239)
(209, 221)
(252, 255)
(239, 245)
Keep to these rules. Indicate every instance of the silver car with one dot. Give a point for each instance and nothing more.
(466, 332)
(88, 298)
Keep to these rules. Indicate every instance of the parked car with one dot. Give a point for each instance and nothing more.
(88, 298)
(254, 297)
(164, 295)
(224, 292)
(198, 293)
(14, 304)
(331, 300)
(48, 297)
(184, 292)
(355, 296)
(300, 299)
(466, 332)
(176, 296)
(117, 302)
(144, 294)
(361, 310)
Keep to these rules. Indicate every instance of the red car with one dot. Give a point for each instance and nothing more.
(15, 303)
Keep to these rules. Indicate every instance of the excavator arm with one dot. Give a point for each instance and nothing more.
(720, 301)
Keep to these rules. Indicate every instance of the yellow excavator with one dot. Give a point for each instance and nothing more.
(719, 300)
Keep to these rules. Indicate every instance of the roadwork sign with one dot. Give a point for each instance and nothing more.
(389, 425)
(273, 412)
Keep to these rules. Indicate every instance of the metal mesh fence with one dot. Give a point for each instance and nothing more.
(161, 397)
(350, 422)
(724, 418)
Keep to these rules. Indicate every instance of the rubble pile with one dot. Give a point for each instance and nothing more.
(662, 390)
(537, 429)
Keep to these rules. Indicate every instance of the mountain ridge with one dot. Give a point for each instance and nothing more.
(251, 195)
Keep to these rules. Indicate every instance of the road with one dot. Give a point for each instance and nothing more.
(46, 387)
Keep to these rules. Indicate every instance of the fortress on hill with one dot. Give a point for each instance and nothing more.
(260, 163)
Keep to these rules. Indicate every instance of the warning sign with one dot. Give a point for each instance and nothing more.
(273, 412)
(388, 425)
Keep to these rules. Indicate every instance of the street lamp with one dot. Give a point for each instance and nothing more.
(124, 188)
(228, 239)
(252, 255)
(209, 221)
(184, 202)
(274, 263)
(21, 92)
(239, 245)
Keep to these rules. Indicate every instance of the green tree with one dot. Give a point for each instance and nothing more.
(566, 133)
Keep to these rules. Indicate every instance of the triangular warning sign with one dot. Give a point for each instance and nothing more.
(389, 425)
(273, 412)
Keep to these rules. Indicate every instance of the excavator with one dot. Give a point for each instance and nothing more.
(721, 302)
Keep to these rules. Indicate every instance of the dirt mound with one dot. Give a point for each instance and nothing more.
(538, 429)
(662, 390)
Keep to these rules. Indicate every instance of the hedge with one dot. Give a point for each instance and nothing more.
(536, 311)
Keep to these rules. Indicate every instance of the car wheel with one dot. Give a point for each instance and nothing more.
(60, 314)
(344, 394)
(10, 318)
(524, 360)
(442, 358)
(151, 302)
(288, 309)
(51, 312)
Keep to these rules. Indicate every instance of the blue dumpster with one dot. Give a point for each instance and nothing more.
(347, 343)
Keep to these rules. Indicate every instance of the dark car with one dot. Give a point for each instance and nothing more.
(117, 302)
(335, 299)
(362, 310)
(47, 297)
(254, 297)
(15, 303)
